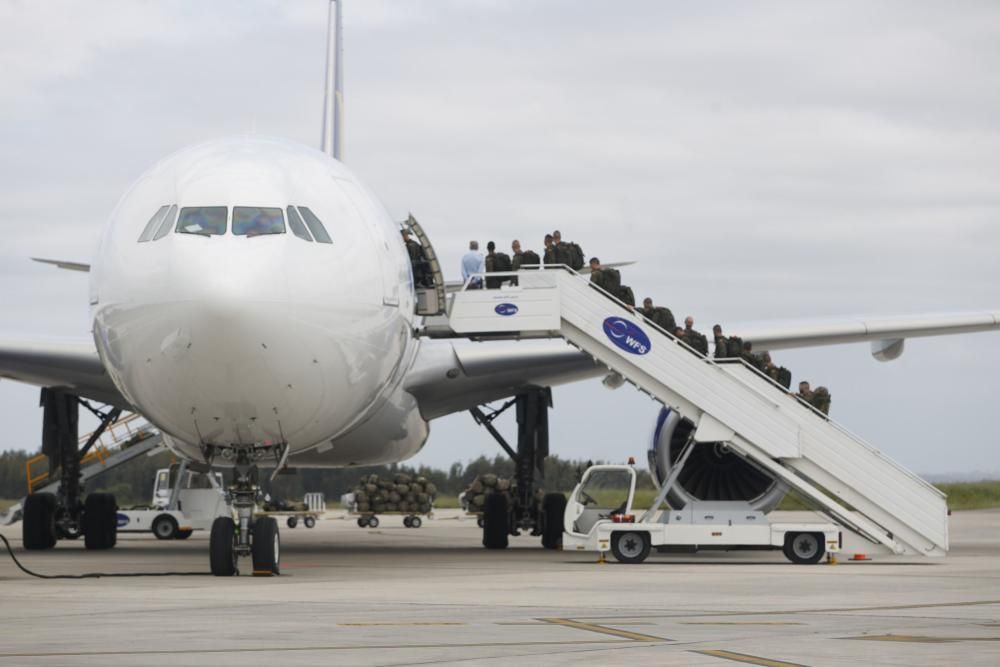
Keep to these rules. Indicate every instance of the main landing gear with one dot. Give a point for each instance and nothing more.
(245, 535)
(65, 515)
(527, 508)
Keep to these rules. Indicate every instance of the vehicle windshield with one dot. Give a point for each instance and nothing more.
(202, 220)
(605, 490)
(257, 221)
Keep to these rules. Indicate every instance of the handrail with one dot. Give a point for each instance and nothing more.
(100, 452)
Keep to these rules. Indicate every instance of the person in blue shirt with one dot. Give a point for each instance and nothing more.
(473, 262)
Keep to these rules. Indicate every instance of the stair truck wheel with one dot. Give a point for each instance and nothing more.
(496, 522)
(222, 547)
(309, 521)
(553, 509)
(265, 546)
(415, 522)
(183, 534)
(100, 521)
(630, 547)
(804, 548)
(373, 522)
(362, 522)
(165, 527)
(292, 521)
(479, 521)
(38, 521)
(407, 521)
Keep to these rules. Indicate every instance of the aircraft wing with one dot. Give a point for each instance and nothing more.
(70, 364)
(886, 334)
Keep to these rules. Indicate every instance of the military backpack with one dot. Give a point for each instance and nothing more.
(501, 262)
(696, 340)
(664, 318)
(575, 257)
(530, 258)
(611, 281)
(625, 295)
(821, 400)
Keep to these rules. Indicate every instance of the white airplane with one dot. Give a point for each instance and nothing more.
(254, 301)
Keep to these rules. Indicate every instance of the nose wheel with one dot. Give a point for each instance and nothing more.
(244, 534)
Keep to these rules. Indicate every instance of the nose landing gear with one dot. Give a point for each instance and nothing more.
(244, 534)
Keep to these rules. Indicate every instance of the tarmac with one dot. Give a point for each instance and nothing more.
(433, 595)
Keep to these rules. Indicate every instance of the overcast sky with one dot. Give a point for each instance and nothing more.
(759, 160)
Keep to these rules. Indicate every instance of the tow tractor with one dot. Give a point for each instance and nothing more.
(183, 501)
(600, 517)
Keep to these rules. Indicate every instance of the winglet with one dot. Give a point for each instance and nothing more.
(69, 266)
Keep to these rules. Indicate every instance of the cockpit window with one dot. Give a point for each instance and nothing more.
(256, 221)
(202, 220)
(147, 233)
(315, 226)
(298, 227)
(167, 224)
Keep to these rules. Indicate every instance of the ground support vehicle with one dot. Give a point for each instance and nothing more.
(600, 517)
(183, 502)
(315, 508)
(370, 519)
(410, 519)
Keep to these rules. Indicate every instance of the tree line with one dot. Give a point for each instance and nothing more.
(132, 483)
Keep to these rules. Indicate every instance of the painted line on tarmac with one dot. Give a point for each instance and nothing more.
(604, 630)
(402, 623)
(749, 659)
(921, 639)
(300, 649)
(738, 623)
(788, 612)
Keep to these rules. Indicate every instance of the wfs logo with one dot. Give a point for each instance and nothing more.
(627, 336)
(122, 520)
(506, 309)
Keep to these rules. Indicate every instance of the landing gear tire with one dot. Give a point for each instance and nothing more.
(265, 547)
(292, 521)
(222, 547)
(309, 521)
(631, 547)
(415, 522)
(804, 548)
(100, 521)
(496, 522)
(183, 534)
(553, 509)
(38, 524)
(165, 527)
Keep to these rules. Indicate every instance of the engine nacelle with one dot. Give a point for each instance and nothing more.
(712, 471)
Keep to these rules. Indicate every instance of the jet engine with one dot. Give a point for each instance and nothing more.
(712, 471)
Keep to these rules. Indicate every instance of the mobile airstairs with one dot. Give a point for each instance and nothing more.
(124, 440)
(731, 402)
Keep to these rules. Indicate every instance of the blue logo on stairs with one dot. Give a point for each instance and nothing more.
(506, 309)
(627, 336)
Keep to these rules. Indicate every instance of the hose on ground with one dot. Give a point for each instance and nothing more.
(96, 575)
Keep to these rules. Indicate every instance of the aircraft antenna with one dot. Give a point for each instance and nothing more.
(333, 99)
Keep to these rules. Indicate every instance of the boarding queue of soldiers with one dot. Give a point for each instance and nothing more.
(559, 252)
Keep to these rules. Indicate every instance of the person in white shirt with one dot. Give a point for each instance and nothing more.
(473, 262)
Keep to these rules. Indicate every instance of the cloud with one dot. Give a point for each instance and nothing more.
(765, 160)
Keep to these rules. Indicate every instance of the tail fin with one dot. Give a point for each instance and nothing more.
(333, 99)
